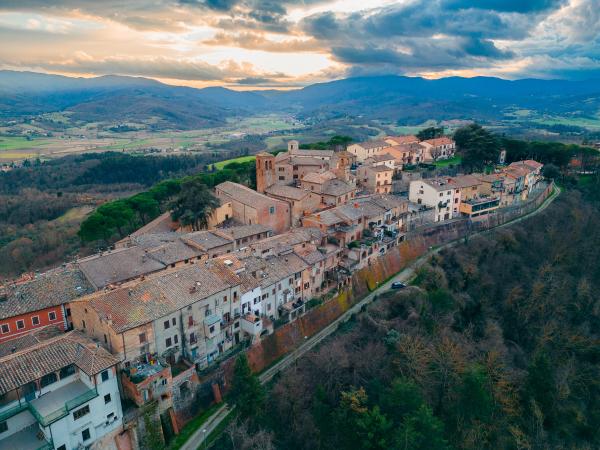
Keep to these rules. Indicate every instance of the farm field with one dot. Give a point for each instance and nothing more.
(92, 139)
(241, 159)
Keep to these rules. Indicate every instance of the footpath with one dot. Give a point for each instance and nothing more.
(197, 439)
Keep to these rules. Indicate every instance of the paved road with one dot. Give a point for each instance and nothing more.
(405, 275)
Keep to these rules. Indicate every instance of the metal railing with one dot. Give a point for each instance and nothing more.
(63, 411)
(12, 412)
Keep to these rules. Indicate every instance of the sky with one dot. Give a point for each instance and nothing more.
(253, 44)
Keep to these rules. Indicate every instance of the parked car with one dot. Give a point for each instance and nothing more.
(398, 285)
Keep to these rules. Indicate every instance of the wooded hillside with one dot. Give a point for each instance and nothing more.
(497, 347)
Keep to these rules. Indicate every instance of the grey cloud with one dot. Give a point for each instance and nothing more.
(155, 67)
(520, 6)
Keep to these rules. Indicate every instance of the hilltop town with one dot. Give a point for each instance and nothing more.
(86, 347)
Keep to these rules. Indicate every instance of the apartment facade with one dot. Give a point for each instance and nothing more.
(58, 391)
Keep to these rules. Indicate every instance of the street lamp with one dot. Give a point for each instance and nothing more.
(204, 437)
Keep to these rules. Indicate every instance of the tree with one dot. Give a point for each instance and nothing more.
(477, 146)
(421, 431)
(430, 133)
(246, 393)
(194, 204)
(550, 171)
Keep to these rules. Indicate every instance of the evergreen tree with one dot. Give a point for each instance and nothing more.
(194, 205)
(246, 393)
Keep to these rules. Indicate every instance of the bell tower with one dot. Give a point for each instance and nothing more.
(265, 171)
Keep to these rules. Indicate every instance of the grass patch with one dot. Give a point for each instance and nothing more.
(191, 427)
(447, 162)
(19, 142)
(76, 214)
(216, 433)
(241, 159)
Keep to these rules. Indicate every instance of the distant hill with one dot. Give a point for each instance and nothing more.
(407, 99)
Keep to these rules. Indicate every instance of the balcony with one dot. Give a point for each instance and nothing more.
(29, 438)
(57, 404)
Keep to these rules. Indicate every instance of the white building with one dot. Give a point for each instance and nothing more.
(57, 391)
(435, 193)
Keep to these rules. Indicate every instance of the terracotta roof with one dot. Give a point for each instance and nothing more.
(529, 164)
(319, 177)
(310, 256)
(302, 152)
(118, 266)
(382, 157)
(161, 224)
(51, 355)
(174, 252)
(306, 161)
(242, 231)
(274, 269)
(206, 240)
(337, 188)
(245, 195)
(439, 141)
(382, 168)
(373, 144)
(288, 192)
(403, 139)
(51, 288)
(160, 295)
(286, 241)
(463, 181)
(29, 339)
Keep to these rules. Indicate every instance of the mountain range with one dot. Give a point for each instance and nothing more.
(406, 99)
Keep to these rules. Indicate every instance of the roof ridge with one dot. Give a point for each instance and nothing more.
(39, 344)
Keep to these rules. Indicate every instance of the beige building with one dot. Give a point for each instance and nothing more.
(364, 150)
(249, 207)
(301, 201)
(438, 148)
(375, 179)
(435, 193)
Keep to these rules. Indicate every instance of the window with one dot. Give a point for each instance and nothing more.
(142, 337)
(173, 321)
(83, 323)
(104, 375)
(166, 324)
(110, 417)
(212, 329)
(66, 371)
(20, 324)
(176, 339)
(271, 210)
(3, 427)
(80, 413)
(5, 328)
(105, 339)
(168, 342)
(62, 447)
(107, 399)
(52, 315)
(85, 434)
(224, 298)
(35, 320)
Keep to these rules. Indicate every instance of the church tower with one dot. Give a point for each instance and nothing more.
(265, 171)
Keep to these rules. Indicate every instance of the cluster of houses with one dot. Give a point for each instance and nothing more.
(145, 319)
(476, 195)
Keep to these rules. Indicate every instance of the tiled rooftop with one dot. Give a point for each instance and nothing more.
(118, 266)
(51, 355)
(245, 195)
(51, 288)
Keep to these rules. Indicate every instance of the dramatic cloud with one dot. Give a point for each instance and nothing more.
(289, 42)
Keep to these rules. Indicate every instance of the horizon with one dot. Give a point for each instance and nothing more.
(284, 88)
(261, 44)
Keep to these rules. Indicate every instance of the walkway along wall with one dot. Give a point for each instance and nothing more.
(291, 335)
